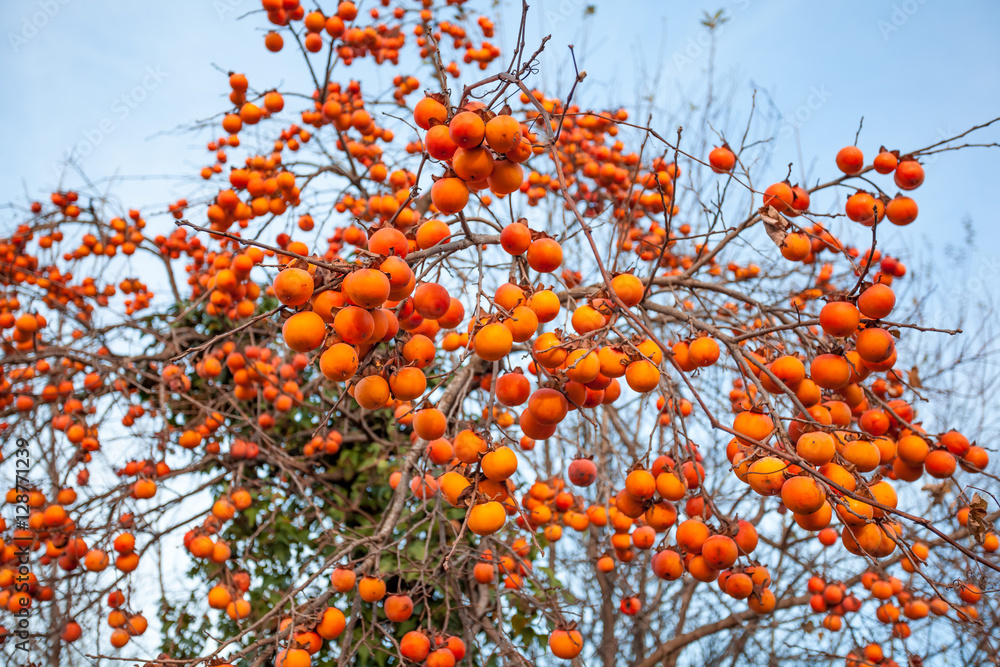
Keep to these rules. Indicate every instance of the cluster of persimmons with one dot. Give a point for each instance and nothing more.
(354, 303)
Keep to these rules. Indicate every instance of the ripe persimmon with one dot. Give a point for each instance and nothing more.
(304, 332)
(486, 518)
(493, 342)
(450, 195)
(372, 392)
(839, 318)
(565, 644)
(339, 362)
(721, 159)
(429, 110)
(293, 287)
(850, 160)
(367, 288)
(545, 255)
(877, 302)
(503, 133)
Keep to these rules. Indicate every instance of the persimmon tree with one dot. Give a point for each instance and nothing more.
(466, 373)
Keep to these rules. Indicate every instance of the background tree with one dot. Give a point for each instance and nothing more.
(413, 370)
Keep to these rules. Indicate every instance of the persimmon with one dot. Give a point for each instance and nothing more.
(691, 535)
(486, 518)
(565, 643)
(862, 207)
(469, 446)
(545, 255)
(474, 164)
(767, 475)
(719, 551)
(429, 110)
(752, 426)
(876, 302)
(406, 384)
(795, 247)
(388, 241)
(370, 245)
(582, 365)
(640, 484)
(802, 495)
(343, 579)
(582, 472)
(506, 177)
(885, 162)
(790, 370)
(515, 238)
(293, 287)
(467, 129)
(940, 463)
(415, 646)
(850, 160)
(642, 376)
(332, 623)
(493, 342)
(372, 392)
(304, 332)
(432, 233)
(704, 352)
(419, 351)
(977, 457)
(449, 195)
(901, 210)
(545, 305)
(830, 371)
(780, 196)
(874, 345)
(354, 325)
(862, 454)
(503, 133)
(398, 608)
(955, 442)
(839, 318)
(439, 143)
(431, 300)
(119, 638)
(429, 423)
(367, 288)
(912, 449)
(499, 464)
(339, 362)
(721, 159)
(453, 316)
(441, 657)
(513, 389)
(273, 41)
(909, 174)
(371, 589)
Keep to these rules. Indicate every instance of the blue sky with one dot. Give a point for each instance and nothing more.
(107, 80)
